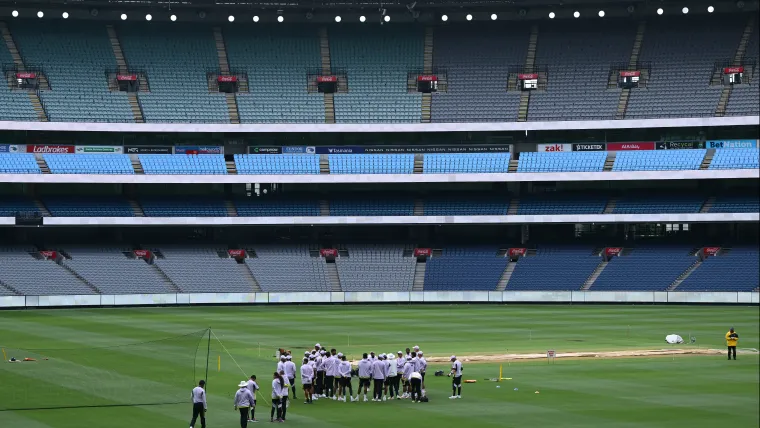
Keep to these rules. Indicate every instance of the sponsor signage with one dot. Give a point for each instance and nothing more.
(298, 150)
(516, 252)
(328, 252)
(630, 74)
(49, 254)
(620, 147)
(613, 251)
(438, 149)
(732, 144)
(9, 148)
(589, 147)
(733, 70)
(679, 145)
(427, 78)
(53, 149)
(227, 79)
(236, 254)
(149, 150)
(327, 79)
(423, 252)
(558, 147)
(711, 251)
(265, 150)
(99, 149)
(127, 77)
(26, 75)
(527, 76)
(199, 150)
(551, 353)
(142, 254)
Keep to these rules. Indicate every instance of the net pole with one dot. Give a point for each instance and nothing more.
(208, 355)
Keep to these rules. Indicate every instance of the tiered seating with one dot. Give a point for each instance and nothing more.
(276, 207)
(291, 268)
(34, 277)
(377, 61)
(477, 65)
(75, 56)
(378, 206)
(183, 164)
(745, 99)
(194, 207)
(18, 163)
(14, 105)
(738, 270)
(88, 207)
(735, 204)
(375, 268)
(276, 60)
(277, 164)
(466, 206)
(584, 203)
(652, 269)
(465, 268)
(658, 160)
(682, 62)
(176, 58)
(578, 56)
(112, 272)
(201, 270)
(659, 204)
(371, 164)
(736, 159)
(561, 162)
(89, 164)
(11, 205)
(466, 163)
(561, 268)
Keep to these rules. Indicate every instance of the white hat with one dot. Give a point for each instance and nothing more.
(340, 354)
(400, 352)
(382, 355)
(416, 348)
(282, 357)
(289, 357)
(419, 353)
(243, 384)
(317, 345)
(306, 354)
(453, 357)
(322, 352)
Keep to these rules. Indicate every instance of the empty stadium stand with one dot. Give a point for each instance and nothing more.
(275, 207)
(744, 98)
(645, 268)
(36, 277)
(278, 164)
(658, 204)
(554, 268)
(18, 163)
(88, 207)
(183, 164)
(114, 271)
(662, 160)
(465, 268)
(371, 164)
(11, 205)
(736, 159)
(466, 163)
(14, 105)
(377, 206)
(183, 207)
(735, 204)
(561, 162)
(375, 268)
(291, 268)
(452, 205)
(202, 270)
(740, 266)
(561, 204)
(89, 163)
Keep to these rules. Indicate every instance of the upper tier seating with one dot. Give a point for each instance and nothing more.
(112, 272)
(658, 160)
(277, 164)
(561, 204)
(562, 268)
(18, 163)
(276, 59)
(33, 277)
(183, 164)
(378, 206)
(10, 205)
(276, 207)
(291, 268)
(652, 269)
(375, 268)
(736, 204)
(466, 163)
(659, 204)
(466, 206)
(743, 100)
(682, 62)
(89, 164)
(14, 105)
(561, 162)
(201, 270)
(738, 270)
(736, 159)
(477, 66)
(377, 61)
(75, 56)
(465, 268)
(88, 207)
(191, 207)
(578, 56)
(371, 164)
(176, 58)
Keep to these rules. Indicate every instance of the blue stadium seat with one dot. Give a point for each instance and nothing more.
(738, 270)
(276, 207)
(195, 207)
(89, 164)
(380, 206)
(183, 164)
(277, 164)
(736, 204)
(645, 269)
(18, 163)
(371, 164)
(466, 163)
(561, 162)
(659, 204)
(466, 206)
(465, 268)
(11, 205)
(736, 159)
(564, 268)
(561, 204)
(659, 160)
(88, 207)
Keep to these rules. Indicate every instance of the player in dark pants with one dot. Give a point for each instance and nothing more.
(199, 404)
(731, 338)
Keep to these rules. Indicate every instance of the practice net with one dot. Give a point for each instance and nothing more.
(145, 373)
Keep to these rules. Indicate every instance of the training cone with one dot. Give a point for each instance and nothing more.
(537, 392)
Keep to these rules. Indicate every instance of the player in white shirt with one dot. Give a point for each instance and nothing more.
(320, 386)
(392, 375)
(456, 384)
(344, 368)
(423, 369)
(199, 404)
(307, 379)
(278, 384)
(281, 363)
(290, 374)
(253, 386)
(365, 374)
(331, 369)
(416, 386)
(408, 370)
(379, 373)
(400, 361)
(285, 393)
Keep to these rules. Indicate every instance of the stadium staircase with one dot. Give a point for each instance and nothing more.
(324, 53)
(419, 164)
(427, 68)
(10, 290)
(34, 97)
(167, 281)
(530, 62)
(610, 207)
(324, 164)
(513, 164)
(136, 165)
(594, 275)
(245, 272)
(741, 50)
(626, 93)
(514, 205)
(506, 276)
(324, 208)
(136, 208)
(42, 164)
(231, 167)
(609, 163)
(707, 206)
(684, 275)
(419, 276)
(332, 275)
(231, 209)
(419, 207)
(42, 208)
(69, 269)
(224, 69)
(708, 159)
(123, 68)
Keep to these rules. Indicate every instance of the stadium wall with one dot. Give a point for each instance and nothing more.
(569, 297)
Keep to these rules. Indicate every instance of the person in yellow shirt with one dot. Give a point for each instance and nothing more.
(731, 339)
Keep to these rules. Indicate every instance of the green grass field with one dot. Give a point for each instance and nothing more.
(693, 391)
